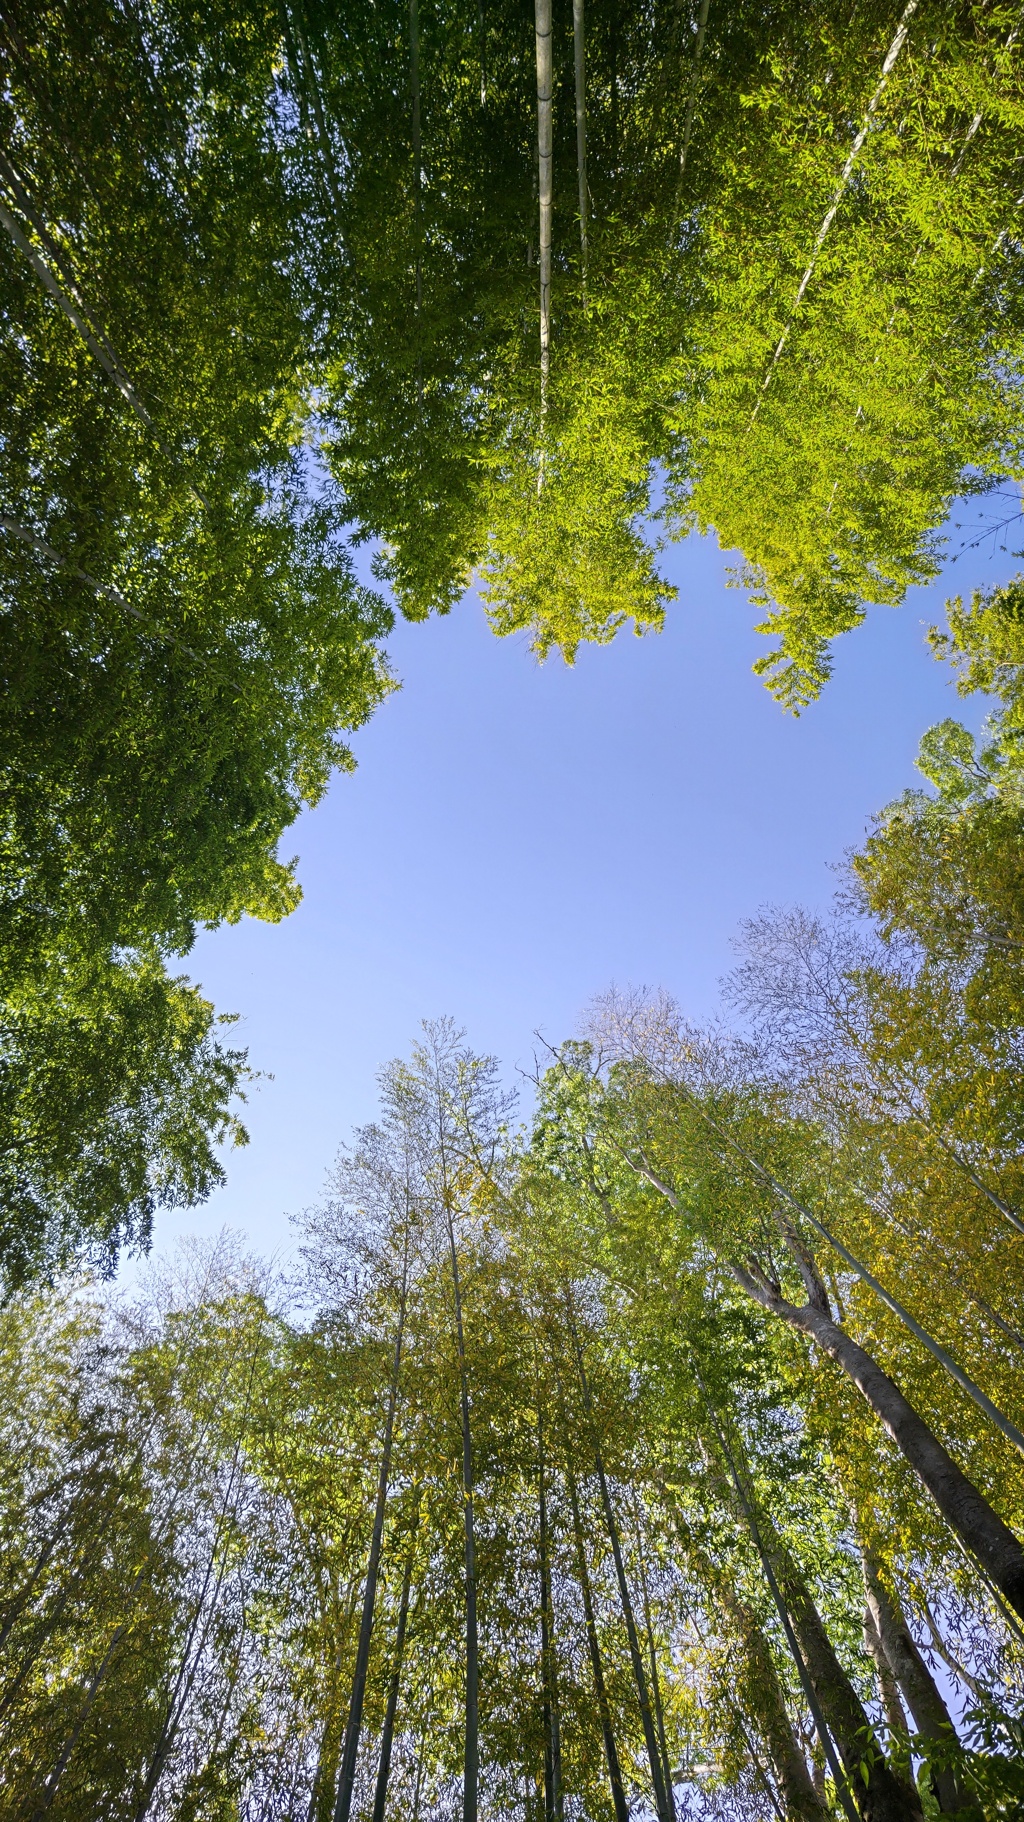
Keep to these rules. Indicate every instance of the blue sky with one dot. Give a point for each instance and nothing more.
(517, 837)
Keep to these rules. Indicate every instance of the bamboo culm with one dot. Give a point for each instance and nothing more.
(471, 1761)
(542, 26)
(782, 1608)
(380, 1795)
(553, 1801)
(350, 1750)
(916, 1683)
(935, 1348)
(652, 1659)
(691, 99)
(593, 1646)
(802, 1801)
(661, 1797)
(580, 84)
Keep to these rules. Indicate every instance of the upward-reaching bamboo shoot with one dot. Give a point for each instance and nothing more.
(471, 1757)
(580, 73)
(544, 191)
(350, 1750)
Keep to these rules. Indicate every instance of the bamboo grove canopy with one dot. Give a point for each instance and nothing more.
(662, 1456)
(634, 1463)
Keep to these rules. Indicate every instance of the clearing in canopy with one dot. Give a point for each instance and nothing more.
(652, 1450)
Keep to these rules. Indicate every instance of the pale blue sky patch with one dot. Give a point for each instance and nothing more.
(517, 837)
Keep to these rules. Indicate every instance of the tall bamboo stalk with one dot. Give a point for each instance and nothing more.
(353, 1728)
(471, 1758)
(380, 1795)
(652, 1658)
(594, 1648)
(542, 27)
(580, 82)
(417, 180)
(553, 1803)
(941, 1354)
(691, 99)
(661, 1797)
(845, 1733)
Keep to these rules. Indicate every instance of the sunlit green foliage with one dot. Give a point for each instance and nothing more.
(615, 1354)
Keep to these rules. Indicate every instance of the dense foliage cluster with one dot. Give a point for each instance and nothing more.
(785, 275)
(182, 638)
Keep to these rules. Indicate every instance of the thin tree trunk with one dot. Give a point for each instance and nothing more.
(170, 1721)
(54, 252)
(180, 1693)
(888, 1688)
(652, 1658)
(49, 1790)
(807, 1266)
(325, 1775)
(13, 1686)
(17, 1604)
(100, 589)
(920, 1691)
(939, 1644)
(830, 214)
(884, 1797)
(471, 1762)
(188, 1671)
(50, 1787)
(419, 1789)
(308, 75)
(594, 1648)
(417, 179)
(659, 1712)
(893, 1081)
(580, 83)
(198, 1626)
(414, 86)
(380, 1795)
(614, 34)
(542, 27)
(691, 99)
(85, 318)
(760, 1682)
(765, 1698)
(350, 1750)
(661, 1800)
(293, 64)
(553, 1804)
(836, 1710)
(931, 1716)
(74, 306)
(963, 1507)
(766, 1701)
(926, 1251)
(755, 1759)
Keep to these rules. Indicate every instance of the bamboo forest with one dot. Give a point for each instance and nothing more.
(641, 1437)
